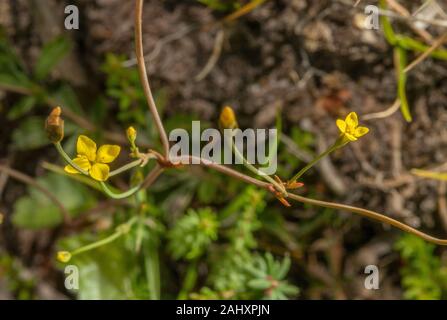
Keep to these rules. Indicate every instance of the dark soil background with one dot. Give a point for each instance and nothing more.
(310, 58)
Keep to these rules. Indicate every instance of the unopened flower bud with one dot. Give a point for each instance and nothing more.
(54, 126)
(63, 256)
(131, 134)
(227, 119)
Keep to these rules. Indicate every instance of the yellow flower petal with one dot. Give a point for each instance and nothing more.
(86, 147)
(351, 137)
(352, 120)
(100, 171)
(107, 153)
(341, 125)
(80, 161)
(361, 131)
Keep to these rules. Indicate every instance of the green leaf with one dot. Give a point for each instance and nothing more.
(30, 134)
(52, 53)
(442, 176)
(390, 36)
(67, 97)
(22, 107)
(16, 80)
(400, 64)
(259, 284)
(12, 72)
(37, 211)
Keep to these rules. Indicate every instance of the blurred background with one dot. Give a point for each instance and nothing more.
(199, 234)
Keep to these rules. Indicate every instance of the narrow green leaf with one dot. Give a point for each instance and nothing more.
(22, 107)
(400, 56)
(52, 53)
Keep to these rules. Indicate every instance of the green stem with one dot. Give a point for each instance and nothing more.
(107, 240)
(338, 143)
(189, 281)
(80, 178)
(123, 195)
(126, 167)
(255, 170)
(68, 159)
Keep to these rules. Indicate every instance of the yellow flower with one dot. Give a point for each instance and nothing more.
(350, 128)
(94, 161)
(63, 256)
(227, 119)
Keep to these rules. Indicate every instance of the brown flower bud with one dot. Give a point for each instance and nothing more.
(54, 126)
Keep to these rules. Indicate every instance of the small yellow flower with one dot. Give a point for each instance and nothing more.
(227, 119)
(350, 128)
(63, 256)
(94, 161)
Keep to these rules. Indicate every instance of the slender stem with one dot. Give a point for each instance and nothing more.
(189, 281)
(68, 159)
(143, 75)
(126, 167)
(30, 181)
(255, 170)
(152, 176)
(118, 233)
(80, 178)
(123, 195)
(334, 147)
(243, 10)
(372, 215)
(225, 170)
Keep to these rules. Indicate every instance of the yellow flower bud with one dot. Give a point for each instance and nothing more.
(63, 256)
(227, 119)
(54, 126)
(131, 134)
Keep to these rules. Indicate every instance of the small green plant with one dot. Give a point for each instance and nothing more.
(423, 274)
(193, 233)
(122, 85)
(268, 278)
